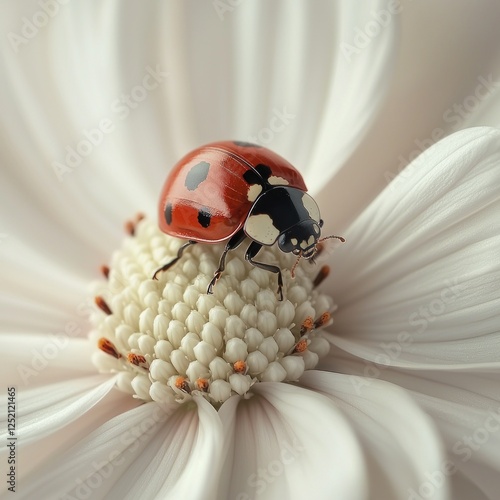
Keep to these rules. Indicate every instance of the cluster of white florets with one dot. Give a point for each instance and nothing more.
(167, 339)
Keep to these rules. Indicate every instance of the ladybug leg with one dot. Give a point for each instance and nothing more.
(251, 252)
(168, 265)
(233, 243)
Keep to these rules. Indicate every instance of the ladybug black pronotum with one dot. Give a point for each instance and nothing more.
(234, 190)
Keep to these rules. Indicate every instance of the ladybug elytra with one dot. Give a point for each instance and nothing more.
(234, 190)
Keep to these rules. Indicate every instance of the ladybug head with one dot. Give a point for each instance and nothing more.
(301, 239)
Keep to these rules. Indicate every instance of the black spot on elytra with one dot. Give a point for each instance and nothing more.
(264, 171)
(259, 175)
(168, 213)
(197, 175)
(245, 144)
(204, 217)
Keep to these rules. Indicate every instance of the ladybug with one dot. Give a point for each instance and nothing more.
(233, 190)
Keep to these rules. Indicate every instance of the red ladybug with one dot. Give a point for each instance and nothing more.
(234, 190)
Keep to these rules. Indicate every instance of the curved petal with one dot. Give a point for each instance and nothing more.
(194, 450)
(45, 409)
(464, 406)
(466, 410)
(400, 442)
(436, 86)
(41, 452)
(358, 81)
(288, 442)
(417, 281)
(148, 452)
(65, 161)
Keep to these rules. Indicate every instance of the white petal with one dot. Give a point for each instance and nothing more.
(147, 452)
(400, 442)
(47, 448)
(53, 107)
(288, 442)
(417, 281)
(324, 91)
(433, 93)
(464, 406)
(46, 408)
(37, 286)
(32, 360)
(22, 313)
(359, 80)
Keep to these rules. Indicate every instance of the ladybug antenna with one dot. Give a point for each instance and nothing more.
(332, 236)
(292, 272)
(320, 247)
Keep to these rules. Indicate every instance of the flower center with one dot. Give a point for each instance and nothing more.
(168, 340)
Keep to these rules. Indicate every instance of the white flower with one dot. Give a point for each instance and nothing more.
(100, 101)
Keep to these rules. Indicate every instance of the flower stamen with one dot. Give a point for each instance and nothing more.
(136, 359)
(108, 347)
(105, 271)
(182, 384)
(300, 346)
(202, 384)
(102, 305)
(240, 367)
(130, 225)
(307, 325)
(323, 320)
(321, 276)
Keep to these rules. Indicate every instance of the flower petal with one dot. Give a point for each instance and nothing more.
(465, 407)
(288, 442)
(147, 452)
(46, 287)
(417, 281)
(41, 452)
(359, 80)
(399, 440)
(434, 89)
(471, 433)
(45, 409)
(32, 360)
